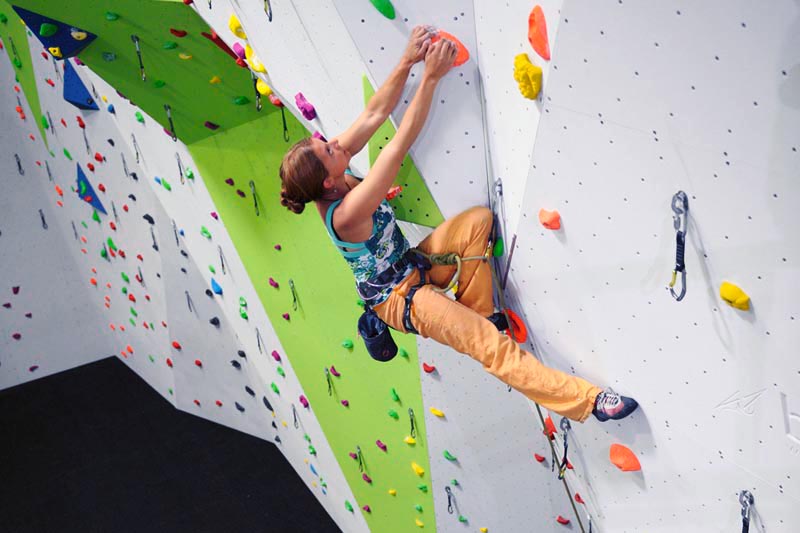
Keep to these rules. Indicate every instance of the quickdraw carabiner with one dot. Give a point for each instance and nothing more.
(680, 220)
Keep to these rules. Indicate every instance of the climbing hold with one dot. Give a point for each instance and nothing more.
(215, 286)
(436, 412)
(109, 56)
(184, 56)
(111, 16)
(518, 330)
(3, 18)
(561, 520)
(395, 396)
(367, 509)
(177, 33)
(241, 100)
(549, 427)
(462, 54)
(537, 33)
(419, 522)
(366, 478)
(539, 458)
(428, 368)
(550, 219)
(734, 296)
(348, 344)
(276, 356)
(348, 506)
(210, 125)
(385, 7)
(345, 403)
(579, 499)
(380, 445)
(159, 84)
(304, 401)
(449, 456)
(274, 388)
(236, 27)
(214, 321)
(215, 79)
(274, 100)
(169, 45)
(47, 29)
(139, 117)
(285, 316)
(402, 352)
(305, 107)
(273, 283)
(423, 487)
(417, 469)
(262, 88)
(528, 76)
(334, 371)
(55, 51)
(176, 345)
(238, 49)
(204, 232)
(623, 458)
(410, 440)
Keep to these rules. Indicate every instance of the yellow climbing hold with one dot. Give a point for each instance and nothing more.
(78, 35)
(437, 412)
(215, 79)
(185, 56)
(528, 76)
(283, 422)
(55, 51)
(236, 27)
(418, 522)
(418, 469)
(255, 64)
(393, 492)
(410, 440)
(735, 296)
(484, 530)
(104, 99)
(262, 88)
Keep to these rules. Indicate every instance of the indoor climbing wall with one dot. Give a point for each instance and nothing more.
(704, 99)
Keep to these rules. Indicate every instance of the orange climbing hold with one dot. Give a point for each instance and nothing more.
(550, 219)
(537, 33)
(462, 55)
(624, 458)
(549, 427)
(518, 330)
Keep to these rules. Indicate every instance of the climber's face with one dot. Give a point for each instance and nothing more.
(333, 156)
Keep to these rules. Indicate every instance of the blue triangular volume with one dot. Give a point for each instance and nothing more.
(86, 192)
(68, 40)
(75, 92)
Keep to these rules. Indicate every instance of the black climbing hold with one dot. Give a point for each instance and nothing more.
(132, 197)
(266, 402)
(183, 270)
(111, 142)
(249, 391)
(235, 364)
(215, 321)
(148, 218)
(242, 354)
(184, 254)
(209, 293)
(239, 407)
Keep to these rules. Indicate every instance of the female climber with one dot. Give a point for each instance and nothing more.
(362, 225)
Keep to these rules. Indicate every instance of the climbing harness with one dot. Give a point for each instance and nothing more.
(746, 500)
(135, 39)
(680, 220)
(168, 109)
(565, 427)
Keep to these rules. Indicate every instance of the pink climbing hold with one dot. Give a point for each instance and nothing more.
(304, 401)
(366, 478)
(273, 283)
(380, 445)
(353, 455)
(345, 403)
(285, 316)
(276, 356)
(367, 509)
(7, 305)
(238, 49)
(334, 371)
(318, 135)
(34, 368)
(240, 192)
(305, 107)
(215, 215)
(278, 247)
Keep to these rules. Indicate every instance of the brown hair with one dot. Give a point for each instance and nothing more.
(302, 174)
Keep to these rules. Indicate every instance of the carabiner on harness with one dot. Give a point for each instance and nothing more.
(680, 220)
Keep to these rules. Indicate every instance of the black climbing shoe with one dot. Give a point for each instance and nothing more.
(608, 405)
(499, 320)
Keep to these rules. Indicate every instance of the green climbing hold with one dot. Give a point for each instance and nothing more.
(385, 7)
(212, 269)
(242, 301)
(306, 438)
(312, 451)
(109, 56)
(152, 359)
(499, 248)
(360, 303)
(347, 343)
(133, 322)
(18, 64)
(204, 232)
(189, 174)
(275, 388)
(84, 224)
(67, 154)
(241, 100)
(45, 124)
(125, 277)
(104, 253)
(111, 16)
(395, 396)
(47, 29)
(124, 290)
(281, 372)
(243, 313)
(169, 45)
(3, 18)
(152, 327)
(166, 184)
(82, 186)
(449, 456)
(423, 487)
(454, 482)
(402, 353)
(139, 117)
(418, 507)
(111, 244)
(159, 84)
(348, 506)
(462, 518)
(96, 216)
(133, 312)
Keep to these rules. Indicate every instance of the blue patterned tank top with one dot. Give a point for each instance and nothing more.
(371, 257)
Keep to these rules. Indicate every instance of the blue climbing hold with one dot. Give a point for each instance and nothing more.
(215, 287)
(111, 109)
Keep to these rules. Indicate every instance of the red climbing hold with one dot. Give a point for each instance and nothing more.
(198, 362)
(177, 33)
(462, 54)
(64, 122)
(561, 520)
(579, 499)
(518, 330)
(549, 427)
(81, 123)
(132, 298)
(112, 225)
(90, 166)
(176, 344)
(188, 2)
(428, 368)
(169, 362)
(624, 458)
(129, 349)
(101, 187)
(98, 157)
(50, 82)
(537, 33)
(539, 458)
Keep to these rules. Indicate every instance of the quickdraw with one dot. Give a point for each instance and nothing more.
(565, 427)
(135, 39)
(168, 109)
(746, 500)
(680, 219)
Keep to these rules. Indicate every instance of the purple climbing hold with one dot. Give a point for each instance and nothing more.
(305, 107)
(304, 401)
(318, 135)
(276, 356)
(278, 247)
(240, 192)
(229, 181)
(210, 125)
(273, 283)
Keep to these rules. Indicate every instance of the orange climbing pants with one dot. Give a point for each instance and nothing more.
(462, 325)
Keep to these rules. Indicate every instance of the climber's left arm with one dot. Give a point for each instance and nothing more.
(387, 96)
